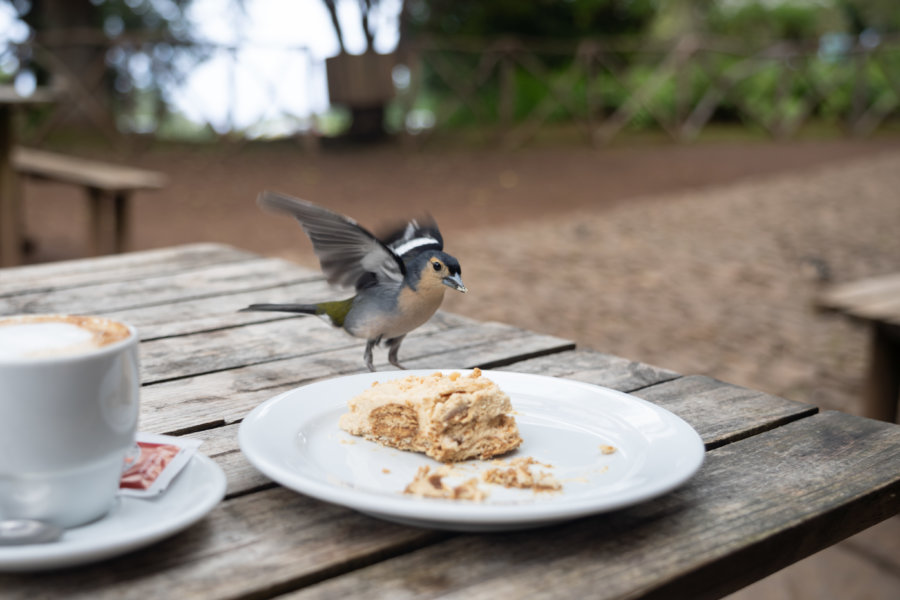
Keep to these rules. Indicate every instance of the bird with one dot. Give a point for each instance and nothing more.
(399, 278)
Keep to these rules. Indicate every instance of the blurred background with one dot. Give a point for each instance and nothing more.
(673, 181)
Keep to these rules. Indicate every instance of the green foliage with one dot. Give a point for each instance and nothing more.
(766, 92)
(765, 21)
(878, 15)
(559, 19)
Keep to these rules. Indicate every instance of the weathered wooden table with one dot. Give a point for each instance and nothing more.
(875, 301)
(781, 480)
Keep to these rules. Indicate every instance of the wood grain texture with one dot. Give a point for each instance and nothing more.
(779, 483)
(826, 477)
(721, 412)
(156, 290)
(197, 315)
(221, 444)
(876, 299)
(184, 356)
(597, 368)
(252, 546)
(228, 389)
(118, 268)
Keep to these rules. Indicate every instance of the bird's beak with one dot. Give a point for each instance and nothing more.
(455, 282)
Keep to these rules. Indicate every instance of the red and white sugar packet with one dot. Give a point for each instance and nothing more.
(154, 463)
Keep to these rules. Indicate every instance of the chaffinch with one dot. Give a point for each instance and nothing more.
(400, 279)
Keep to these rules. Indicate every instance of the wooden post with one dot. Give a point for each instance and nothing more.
(587, 54)
(858, 107)
(782, 97)
(10, 210)
(122, 220)
(413, 61)
(882, 390)
(507, 92)
(103, 222)
(682, 90)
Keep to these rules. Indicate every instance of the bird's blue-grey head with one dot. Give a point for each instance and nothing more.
(434, 264)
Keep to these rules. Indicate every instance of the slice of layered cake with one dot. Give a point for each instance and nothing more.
(448, 417)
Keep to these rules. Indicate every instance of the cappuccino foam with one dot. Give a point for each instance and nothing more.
(38, 336)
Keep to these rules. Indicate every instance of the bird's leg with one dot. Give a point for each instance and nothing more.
(370, 343)
(394, 345)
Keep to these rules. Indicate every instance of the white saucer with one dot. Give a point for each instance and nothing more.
(295, 440)
(133, 523)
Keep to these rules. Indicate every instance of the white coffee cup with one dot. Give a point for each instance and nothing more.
(69, 390)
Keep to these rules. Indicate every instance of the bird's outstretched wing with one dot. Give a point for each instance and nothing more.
(347, 252)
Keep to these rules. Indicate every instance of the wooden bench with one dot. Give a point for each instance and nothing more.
(109, 189)
(877, 302)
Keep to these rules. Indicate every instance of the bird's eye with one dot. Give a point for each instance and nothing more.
(436, 265)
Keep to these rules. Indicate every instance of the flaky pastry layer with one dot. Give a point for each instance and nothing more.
(450, 418)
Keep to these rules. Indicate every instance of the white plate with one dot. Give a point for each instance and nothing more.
(294, 439)
(133, 523)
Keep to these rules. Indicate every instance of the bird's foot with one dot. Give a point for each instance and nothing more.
(394, 345)
(368, 354)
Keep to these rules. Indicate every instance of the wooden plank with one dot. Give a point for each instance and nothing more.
(228, 394)
(721, 412)
(221, 445)
(595, 367)
(184, 356)
(259, 342)
(195, 315)
(884, 309)
(119, 268)
(876, 298)
(252, 546)
(847, 294)
(221, 442)
(155, 290)
(88, 173)
(825, 478)
(11, 226)
(489, 348)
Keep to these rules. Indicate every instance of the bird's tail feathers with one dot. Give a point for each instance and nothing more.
(307, 309)
(333, 312)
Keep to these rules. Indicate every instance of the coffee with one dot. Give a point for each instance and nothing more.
(69, 406)
(42, 336)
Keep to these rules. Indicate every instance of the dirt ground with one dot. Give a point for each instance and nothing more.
(701, 258)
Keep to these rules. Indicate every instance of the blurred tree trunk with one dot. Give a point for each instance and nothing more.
(361, 83)
(72, 32)
(336, 23)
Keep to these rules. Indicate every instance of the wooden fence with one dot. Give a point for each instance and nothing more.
(607, 86)
(515, 88)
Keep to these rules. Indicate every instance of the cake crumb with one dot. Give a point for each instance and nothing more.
(520, 475)
(607, 449)
(386, 471)
(428, 484)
